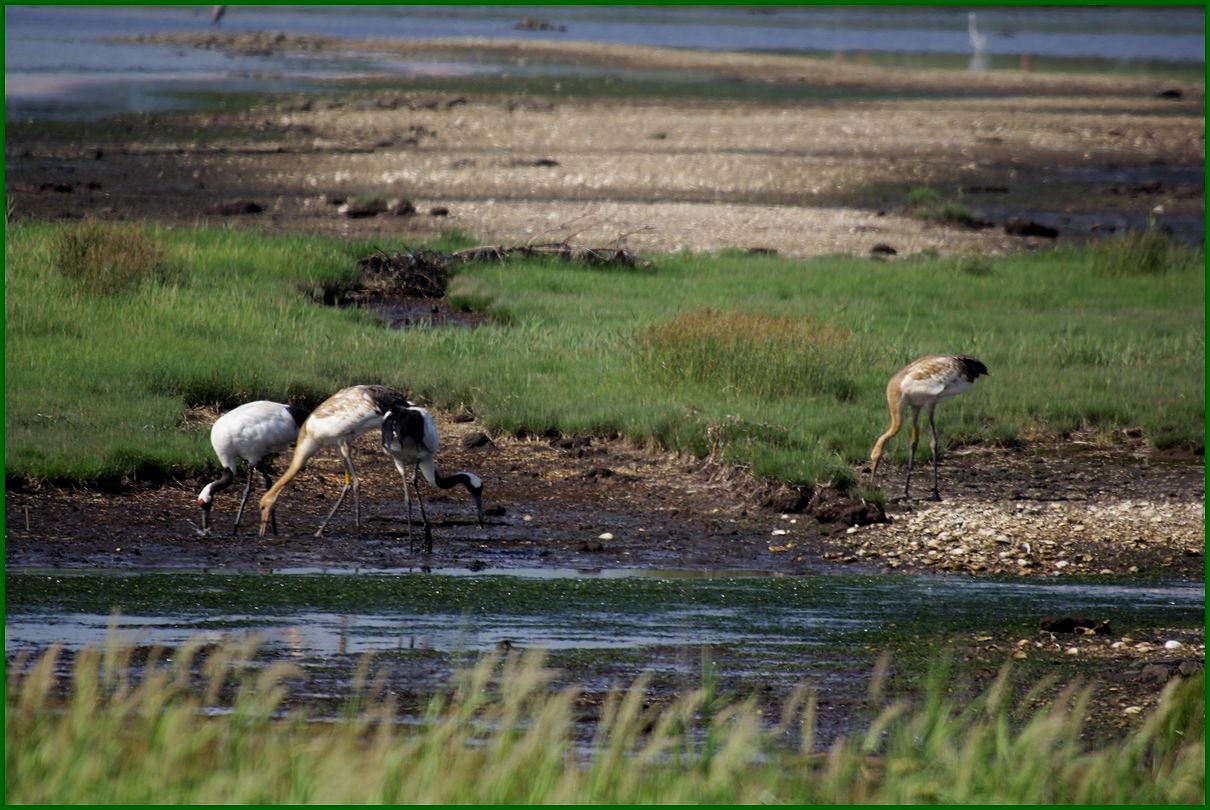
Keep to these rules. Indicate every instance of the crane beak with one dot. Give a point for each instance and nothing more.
(205, 516)
(478, 496)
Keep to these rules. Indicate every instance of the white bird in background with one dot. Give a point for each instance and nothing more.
(409, 437)
(924, 383)
(978, 45)
(254, 432)
(338, 420)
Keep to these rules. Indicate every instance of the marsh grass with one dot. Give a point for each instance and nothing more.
(925, 202)
(1146, 251)
(773, 364)
(752, 354)
(923, 197)
(209, 725)
(956, 214)
(108, 258)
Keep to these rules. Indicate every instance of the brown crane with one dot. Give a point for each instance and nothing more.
(924, 384)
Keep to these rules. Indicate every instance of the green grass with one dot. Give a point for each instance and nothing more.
(925, 202)
(98, 385)
(1141, 252)
(197, 725)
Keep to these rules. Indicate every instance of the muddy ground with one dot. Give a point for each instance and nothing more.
(1063, 509)
(1051, 509)
(824, 166)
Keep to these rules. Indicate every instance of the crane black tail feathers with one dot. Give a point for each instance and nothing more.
(403, 423)
(298, 413)
(386, 398)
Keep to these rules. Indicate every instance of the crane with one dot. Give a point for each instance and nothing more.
(254, 431)
(409, 437)
(924, 384)
(338, 420)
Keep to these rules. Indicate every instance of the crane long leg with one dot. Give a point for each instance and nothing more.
(933, 447)
(244, 500)
(351, 482)
(267, 472)
(428, 530)
(407, 499)
(339, 500)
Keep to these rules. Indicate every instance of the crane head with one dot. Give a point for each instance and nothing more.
(205, 500)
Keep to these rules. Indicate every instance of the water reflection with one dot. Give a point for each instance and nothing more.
(66, 61)
(557, 609)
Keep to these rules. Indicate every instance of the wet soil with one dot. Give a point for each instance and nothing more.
(593, 504)
(1064, 508)
(806, 175)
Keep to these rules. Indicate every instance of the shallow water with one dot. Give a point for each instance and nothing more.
(323, 614)
(58, 62)
(754, 635)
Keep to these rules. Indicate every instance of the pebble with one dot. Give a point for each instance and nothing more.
(1172, 645)
(1132, 710)
(1027, 538)
(605, 536)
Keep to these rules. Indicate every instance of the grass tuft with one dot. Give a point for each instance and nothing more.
(760, 356)
(1146, 252)
(923, 197)
(108, 257)
(924, 202)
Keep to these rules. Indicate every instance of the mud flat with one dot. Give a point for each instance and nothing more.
(801, 156)
(1046, 510)
(567, 506)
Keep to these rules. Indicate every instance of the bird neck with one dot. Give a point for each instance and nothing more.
(218, 485)
(466, 479)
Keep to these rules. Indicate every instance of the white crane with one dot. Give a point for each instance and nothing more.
(409, 437)
(338, 420)
(254, 431)
(924, 383)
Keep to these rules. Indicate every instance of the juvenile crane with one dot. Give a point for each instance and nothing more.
(409, 437)
(254, 431)
(338, 420)
(924, 383)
